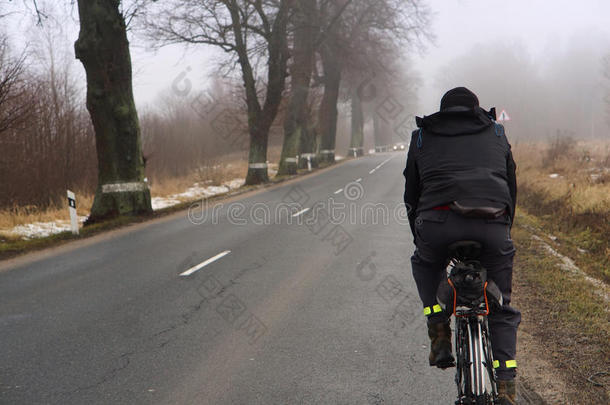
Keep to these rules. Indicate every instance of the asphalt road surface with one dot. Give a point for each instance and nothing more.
(281, 305)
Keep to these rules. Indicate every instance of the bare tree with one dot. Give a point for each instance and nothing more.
(103, 49)
(15, 100)
(53, 147)
(311, 32)
(332, 54)
(245, 29)
(369, 30)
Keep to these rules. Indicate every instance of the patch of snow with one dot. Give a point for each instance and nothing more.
(235, 183)
(339, 158)
(597, 173)
(567, 264)
(194, 192)
(43, 229)
(554, 175)
(599, 169)
(163, 202)
(582, 251)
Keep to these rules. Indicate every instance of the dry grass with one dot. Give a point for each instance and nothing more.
(28, 214)
(563, 314)
(580, 173)
(564, 198)
(565, 185)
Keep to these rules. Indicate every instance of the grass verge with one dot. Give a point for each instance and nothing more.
(562, 269)
(566, 321)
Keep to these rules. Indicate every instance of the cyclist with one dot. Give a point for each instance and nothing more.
(461, 185)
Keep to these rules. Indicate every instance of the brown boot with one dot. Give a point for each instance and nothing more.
(440, 345)
(507, 392)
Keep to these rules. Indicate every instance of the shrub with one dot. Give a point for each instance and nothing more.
(563, 146)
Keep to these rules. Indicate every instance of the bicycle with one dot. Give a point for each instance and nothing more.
(469, 296)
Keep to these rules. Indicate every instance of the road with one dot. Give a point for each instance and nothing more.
(298, 310)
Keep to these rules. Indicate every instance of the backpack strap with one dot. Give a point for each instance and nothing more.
(499, 129)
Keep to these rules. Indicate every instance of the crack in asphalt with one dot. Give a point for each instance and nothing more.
(253, 266)
(186, 317)
(106, 377)
(375, 398)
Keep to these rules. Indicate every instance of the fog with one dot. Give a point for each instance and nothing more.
(540, 61)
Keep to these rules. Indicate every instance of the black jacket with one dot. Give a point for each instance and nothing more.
(459, 155)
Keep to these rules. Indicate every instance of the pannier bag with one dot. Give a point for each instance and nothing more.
(467, 289)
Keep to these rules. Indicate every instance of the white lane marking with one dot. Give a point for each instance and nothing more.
(300, 212)
(381, 164)
(359, 180)
(385, 161)
(338, 191)
(203, 264)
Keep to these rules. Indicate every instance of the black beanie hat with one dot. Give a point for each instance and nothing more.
(460, 96)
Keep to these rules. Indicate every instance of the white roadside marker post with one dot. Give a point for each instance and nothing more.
(72, 208)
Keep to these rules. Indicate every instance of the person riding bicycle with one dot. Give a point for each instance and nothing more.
(461, 185)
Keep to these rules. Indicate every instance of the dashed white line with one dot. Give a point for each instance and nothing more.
(384, 162)
(338, 191)
(359, 180)
(205, 263)
(381, 164)
(296, 214)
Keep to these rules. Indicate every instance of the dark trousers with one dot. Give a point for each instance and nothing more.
(434, 232)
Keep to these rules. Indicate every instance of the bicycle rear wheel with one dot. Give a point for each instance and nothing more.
(462, 376)
(475, 376)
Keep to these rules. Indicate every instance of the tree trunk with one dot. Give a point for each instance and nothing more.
(257, 157)
(357, 127)
(307, 147)
(328, 107)
(103, 49)
(377, 132)
(295, 123)
(382, 134)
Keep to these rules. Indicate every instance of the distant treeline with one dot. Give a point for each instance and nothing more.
(563, 89)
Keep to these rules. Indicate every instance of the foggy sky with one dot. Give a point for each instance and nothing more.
(542, 27)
